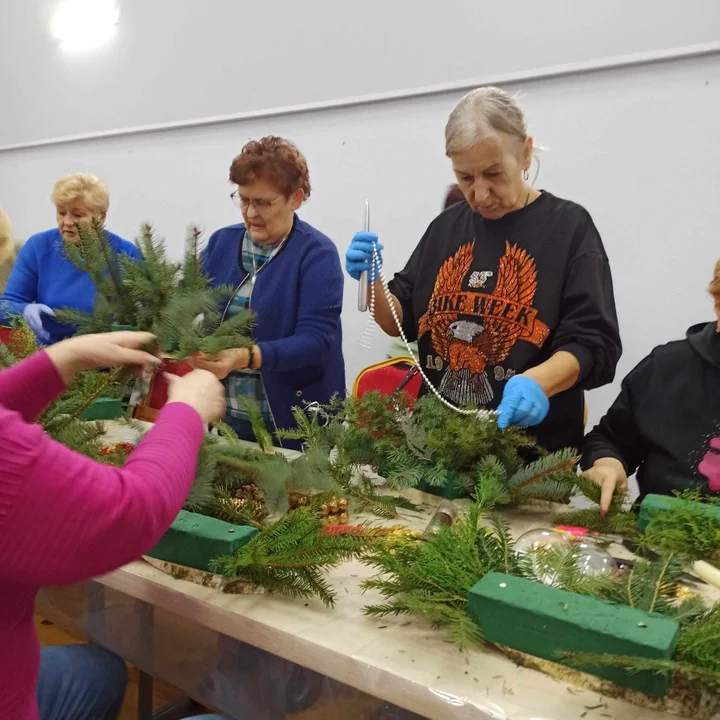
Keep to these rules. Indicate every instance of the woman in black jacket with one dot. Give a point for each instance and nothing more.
(665, 424)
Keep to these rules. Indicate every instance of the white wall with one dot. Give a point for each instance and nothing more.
(179, 60)
(639, 148)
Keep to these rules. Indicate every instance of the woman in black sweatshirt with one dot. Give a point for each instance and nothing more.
(509, 295)
(665, 424)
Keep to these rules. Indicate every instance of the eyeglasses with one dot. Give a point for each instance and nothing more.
(260, 205)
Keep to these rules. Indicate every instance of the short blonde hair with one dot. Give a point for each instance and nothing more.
(7, 239)
(90, 190)
(483, 112)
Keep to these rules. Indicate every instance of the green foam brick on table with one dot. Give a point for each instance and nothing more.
(193, 540)
(543, 621)
(653, 505)
(103, 409)
(448, 491)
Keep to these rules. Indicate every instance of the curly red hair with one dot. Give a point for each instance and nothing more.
(273, 160)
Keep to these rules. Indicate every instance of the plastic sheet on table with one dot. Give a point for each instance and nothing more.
(229, 676)
(244, 681)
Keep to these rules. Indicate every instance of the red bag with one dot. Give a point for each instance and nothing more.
(390, 376)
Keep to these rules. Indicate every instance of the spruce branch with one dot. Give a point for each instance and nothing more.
(696, 677)
(292, 555)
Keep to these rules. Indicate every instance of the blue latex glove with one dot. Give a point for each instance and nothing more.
(33, 314)
(358, 257)
(523, 403)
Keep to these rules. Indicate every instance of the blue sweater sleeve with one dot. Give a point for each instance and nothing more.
(22, 284)
(131, 250)
(318, 317)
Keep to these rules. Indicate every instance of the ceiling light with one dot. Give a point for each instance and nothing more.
(82, 25)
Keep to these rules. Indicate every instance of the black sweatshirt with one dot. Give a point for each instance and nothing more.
(667, 412)
(488, 299)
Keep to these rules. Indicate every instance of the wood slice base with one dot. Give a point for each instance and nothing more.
(206, 579)
(680, 701)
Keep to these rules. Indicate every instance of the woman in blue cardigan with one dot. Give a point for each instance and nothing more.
(43, 277)
(289, 275)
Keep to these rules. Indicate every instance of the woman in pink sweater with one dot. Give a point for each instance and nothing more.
(65, 518)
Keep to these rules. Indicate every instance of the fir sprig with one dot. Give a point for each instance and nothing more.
(687, 531)
(433, 577)
(622, 523)
(292, 557)
(697, 677)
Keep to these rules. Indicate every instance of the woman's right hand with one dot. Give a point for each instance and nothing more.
(609, 473)
(105, 350)
(201, 390)
(359, 256)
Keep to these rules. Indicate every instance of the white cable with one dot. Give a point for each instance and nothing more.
(377, 271)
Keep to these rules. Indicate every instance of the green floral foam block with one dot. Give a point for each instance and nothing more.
(193, 540)
(543, 621)
(103, 409)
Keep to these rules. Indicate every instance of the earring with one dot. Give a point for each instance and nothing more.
(526, 175)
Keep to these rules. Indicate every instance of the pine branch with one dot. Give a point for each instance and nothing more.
(686, 531)
(692, 675)
(110, 379)
(367, 498)
(699, 643)
(558, 467)
(623, 523)
(291, 556)
(262, 437)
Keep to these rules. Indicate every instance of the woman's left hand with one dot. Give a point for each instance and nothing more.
(87, 352)
(523, 403)
(222, 364)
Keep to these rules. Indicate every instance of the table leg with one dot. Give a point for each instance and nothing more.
(145, 697)
(146, 624)
(96, 613)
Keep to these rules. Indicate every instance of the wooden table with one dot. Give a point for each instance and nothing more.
(192, 637)
(181, 631)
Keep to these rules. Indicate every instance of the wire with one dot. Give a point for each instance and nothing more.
(376, 271)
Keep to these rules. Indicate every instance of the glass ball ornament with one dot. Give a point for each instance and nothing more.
(592, 560)
(542, 539)
(545, 548)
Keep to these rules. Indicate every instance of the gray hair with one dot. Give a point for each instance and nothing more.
(482, 112)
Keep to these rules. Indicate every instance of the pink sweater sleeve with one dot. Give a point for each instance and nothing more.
(64, 517)
(30, 386)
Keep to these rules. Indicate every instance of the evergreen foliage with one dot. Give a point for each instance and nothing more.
(623, 522)
(172, 300)
(292, 556)
(227, 464)
(432, 445)
(689, 675)
(94, 254)
(699, 643)
(432, 577)
(686, 531)
(62, 419)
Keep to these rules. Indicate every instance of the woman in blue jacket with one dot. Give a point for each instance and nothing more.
(43, 278)
(289, 275)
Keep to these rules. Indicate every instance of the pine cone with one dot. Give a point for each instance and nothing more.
(251, 497)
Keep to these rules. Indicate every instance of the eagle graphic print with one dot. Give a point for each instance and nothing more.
(474, 331)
